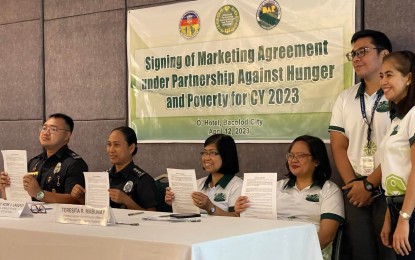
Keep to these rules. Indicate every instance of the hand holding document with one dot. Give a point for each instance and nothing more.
(15, 164)
(96, 186)
(183, 183)
(261, 190)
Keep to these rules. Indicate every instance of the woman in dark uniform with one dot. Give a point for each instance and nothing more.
(130, 186)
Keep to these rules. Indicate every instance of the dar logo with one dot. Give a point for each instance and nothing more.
(268, 14)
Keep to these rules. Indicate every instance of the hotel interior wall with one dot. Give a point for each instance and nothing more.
(83, 74)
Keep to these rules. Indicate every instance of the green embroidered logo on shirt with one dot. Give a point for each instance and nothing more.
(220, 197)
(383, 107)
(395, 185)
(370, 148)
(395, 130)
(313, 198)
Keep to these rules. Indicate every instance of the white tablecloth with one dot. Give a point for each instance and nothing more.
(39, 237)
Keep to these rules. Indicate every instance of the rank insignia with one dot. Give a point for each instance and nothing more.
(139, 173)
(57, 168)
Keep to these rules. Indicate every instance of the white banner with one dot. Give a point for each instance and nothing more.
(257, 70)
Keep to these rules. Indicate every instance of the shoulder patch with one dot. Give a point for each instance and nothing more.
(75, 155)
(138, 172)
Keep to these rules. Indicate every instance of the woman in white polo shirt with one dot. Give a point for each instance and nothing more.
(398, 154)
(217, 192)
(307, 194)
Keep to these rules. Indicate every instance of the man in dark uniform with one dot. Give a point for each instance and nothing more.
(53, 173)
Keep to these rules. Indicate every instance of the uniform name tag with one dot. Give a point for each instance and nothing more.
(84, 215)
(14, 209)
(367, 164)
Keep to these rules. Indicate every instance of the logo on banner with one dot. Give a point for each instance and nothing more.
(268, 14)
(227, 19)
(189, 25)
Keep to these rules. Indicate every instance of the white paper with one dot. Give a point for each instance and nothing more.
(15, 164)
(183, 183)
(261, 190)
(96, 187)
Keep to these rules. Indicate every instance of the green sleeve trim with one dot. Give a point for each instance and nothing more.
(336, 128)
(339, 219)
(411, 140)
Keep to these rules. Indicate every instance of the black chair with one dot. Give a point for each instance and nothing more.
(161, 184)
(335, 253)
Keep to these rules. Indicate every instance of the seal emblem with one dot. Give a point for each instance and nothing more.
(128, 187)
(57, 168)
(189, 25)
(227, 19)
(268, 14)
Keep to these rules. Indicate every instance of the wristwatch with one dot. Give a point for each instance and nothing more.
(40, 195)
(368, 186)
(404, 215)
(212, 210)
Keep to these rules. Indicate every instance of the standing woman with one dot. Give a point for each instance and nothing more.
(217, 192)
(398, 154)
(130, 186)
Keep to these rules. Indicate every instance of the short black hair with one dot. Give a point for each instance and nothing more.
(68, 120)
(379, 39)
(404, 62)
(129, 136)
(227, 149)
(319, 153)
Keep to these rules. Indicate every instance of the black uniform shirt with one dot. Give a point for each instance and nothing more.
(60, 172)
(136, 183)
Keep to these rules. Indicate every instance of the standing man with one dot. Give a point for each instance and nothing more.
(359, 122)
(53, 173)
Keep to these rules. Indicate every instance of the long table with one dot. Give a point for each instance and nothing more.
(39, 237)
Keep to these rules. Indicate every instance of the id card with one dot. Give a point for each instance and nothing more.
(367, 164)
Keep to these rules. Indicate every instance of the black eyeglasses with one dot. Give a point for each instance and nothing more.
(38, 209)
(52, 129)
(360, 52)
(210, 154)
(298, 156)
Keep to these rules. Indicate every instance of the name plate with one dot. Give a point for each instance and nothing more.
(14, 209)
(84, 215)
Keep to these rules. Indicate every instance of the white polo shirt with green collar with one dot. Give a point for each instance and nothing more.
(396, 154)
(224, 194)
(312, 204)
(347, 119)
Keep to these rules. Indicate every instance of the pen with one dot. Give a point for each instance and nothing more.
(129, 224)
(135, 213)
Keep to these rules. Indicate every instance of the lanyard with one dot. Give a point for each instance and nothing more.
(363, 110)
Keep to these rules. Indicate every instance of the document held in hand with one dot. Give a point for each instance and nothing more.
(261, 190)
(183, 183)
(15, 164)
(96, 186)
